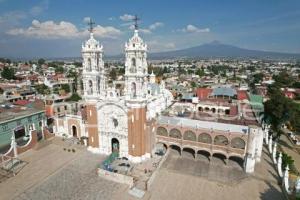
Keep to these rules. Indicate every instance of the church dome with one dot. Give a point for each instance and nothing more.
(92, 44)
(136, 43)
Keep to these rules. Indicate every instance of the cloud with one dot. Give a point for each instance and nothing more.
(156, 25)
(107, 31)
(86, 19)
(193, 29)
(38, 9)
(12, 17)
(127, 17)
(63, 29)
(142, 30)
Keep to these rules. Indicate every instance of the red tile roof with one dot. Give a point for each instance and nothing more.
(242, 94)
(203, 93)
(22, 102)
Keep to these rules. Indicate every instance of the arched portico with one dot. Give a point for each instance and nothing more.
(203, 155)
(188, 152)
(236, 161)
(175, 148)
(217, 157)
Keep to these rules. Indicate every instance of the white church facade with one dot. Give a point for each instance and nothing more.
(130, 122)
(112, 116)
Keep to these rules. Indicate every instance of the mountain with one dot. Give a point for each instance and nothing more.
(216, 49)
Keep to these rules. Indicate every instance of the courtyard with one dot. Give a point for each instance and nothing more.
(53, 172)
(186, 178)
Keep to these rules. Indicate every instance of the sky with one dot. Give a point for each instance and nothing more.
(57, 28)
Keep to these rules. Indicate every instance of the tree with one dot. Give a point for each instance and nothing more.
(200, 72)
(59, 69)
(193, 84)
(41, 61)
(74, 97)
(283, 79)
(8, 73)
(42, 89)
(66, 88)
(113, 74)
(280, 110)
(286, 160)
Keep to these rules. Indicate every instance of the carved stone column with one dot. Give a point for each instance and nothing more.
(270, 143)
(274, 152)
(286, 180)
(267, 137)
(279, 164)
(14, 145)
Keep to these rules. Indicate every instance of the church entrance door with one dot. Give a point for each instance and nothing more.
(74, 131)
(115, 145)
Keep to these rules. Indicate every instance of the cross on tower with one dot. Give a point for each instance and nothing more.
(136, 21)
(91, 24)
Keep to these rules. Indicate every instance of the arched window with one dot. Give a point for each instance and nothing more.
(162, 131)
(189, 135)
(133, 66)
(221, 140)
(98, 86)
(238, 143)
(175, 133)
(133, 62)
(204, 138)
(89, 64)
(133, 90)
(90, 88)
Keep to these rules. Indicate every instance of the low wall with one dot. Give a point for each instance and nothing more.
(47, 134)
(30, 144)
(119, 178)
(154, 174)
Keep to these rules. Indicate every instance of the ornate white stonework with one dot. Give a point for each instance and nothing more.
(112, 123)
(113, 108)
(94, 80)
(136, 68)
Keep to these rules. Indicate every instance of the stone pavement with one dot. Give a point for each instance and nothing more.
(53, 173)
(176, 184)
(288, 147)
(78, 180)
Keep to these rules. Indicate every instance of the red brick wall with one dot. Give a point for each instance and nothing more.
(137, 132)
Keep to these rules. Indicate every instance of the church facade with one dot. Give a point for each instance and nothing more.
(130, 121)
(116, 120)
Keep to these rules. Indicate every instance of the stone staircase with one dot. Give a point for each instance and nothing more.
(10, 166)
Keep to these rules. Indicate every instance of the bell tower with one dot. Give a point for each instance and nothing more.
(136, 73)
(93, 68)
(136, 68)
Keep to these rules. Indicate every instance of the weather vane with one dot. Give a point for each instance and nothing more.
(91, 24)
(135, 20)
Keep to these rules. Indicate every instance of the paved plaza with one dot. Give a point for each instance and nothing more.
(55, 173)
(191, 181)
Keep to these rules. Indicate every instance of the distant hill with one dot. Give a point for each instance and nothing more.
(216, 49)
